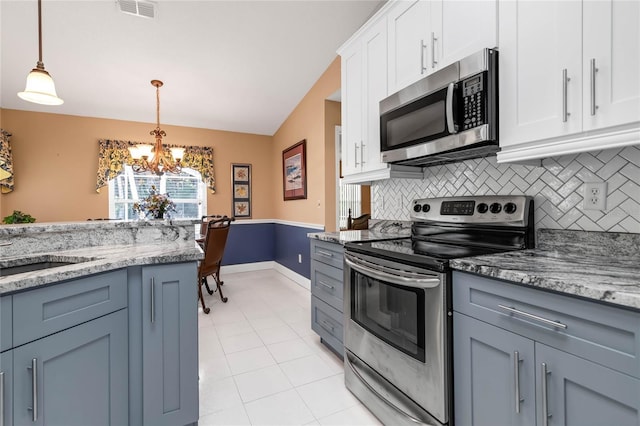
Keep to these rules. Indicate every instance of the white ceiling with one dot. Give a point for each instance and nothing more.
(231, 65)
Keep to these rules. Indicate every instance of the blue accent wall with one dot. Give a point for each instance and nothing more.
(253, 242)
(262, 242)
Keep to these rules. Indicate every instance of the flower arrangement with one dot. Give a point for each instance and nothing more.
(155, 205)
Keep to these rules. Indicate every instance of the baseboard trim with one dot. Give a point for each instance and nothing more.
(260, 266)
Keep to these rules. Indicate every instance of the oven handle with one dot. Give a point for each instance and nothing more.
(394, 276)
(376, 393)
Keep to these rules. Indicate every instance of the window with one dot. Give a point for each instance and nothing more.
(187, 190)
(350, 198)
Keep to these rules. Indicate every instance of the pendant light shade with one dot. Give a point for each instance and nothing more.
(40, 88)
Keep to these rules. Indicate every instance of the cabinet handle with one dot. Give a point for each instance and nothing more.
(594, 70)
(433, 50)
(327, 323)
(153, 300)
(423, 47)
(356, 155)
(34, 389)
(565, 84)
(533, 317)
(1, 398)
(330, 287)
(324, 253)
(516, 373)
(545, 403)
(362, 145)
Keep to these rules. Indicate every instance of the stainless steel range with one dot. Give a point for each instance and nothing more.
(397, 296)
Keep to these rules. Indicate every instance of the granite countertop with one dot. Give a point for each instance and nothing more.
(601, 266)
(378, 230)
(92, 247)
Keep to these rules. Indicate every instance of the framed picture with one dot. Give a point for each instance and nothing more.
(241, 190)
(294, 171)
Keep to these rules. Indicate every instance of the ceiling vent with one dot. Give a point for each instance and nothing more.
(144, 9)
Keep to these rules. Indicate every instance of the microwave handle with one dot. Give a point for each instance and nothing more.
(451, 126)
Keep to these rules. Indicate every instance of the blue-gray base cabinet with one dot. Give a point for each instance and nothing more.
(523, 356)
(327, 293)
(6, 388)
(163, 341)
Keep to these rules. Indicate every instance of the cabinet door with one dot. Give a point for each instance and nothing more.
(6, 388)
(352, 110)
(463, 28)
(538, 41)
(409, 36)
(486, 373)
(375, 89)
(580, 392)
(170, 344)
(612, 42)
(81, 376)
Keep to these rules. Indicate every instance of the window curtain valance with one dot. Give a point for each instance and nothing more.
(112, 155)
(6, 163)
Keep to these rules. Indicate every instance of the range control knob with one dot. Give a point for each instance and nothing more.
(495, 208)
(426, 208)
(482, 208)
(417, 208)
(510, 208)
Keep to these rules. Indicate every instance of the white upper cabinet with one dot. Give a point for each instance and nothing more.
(352, 109)
(569, 77)
(409, 32)
(462, 28)
(426, 35)
(612, 47)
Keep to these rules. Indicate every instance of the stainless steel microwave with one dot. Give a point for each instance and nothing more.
(450, 115)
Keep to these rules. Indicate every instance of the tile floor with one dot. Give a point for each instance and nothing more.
(261, 364)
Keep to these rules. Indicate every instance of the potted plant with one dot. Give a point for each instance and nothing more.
(155, 205)
(18, 217)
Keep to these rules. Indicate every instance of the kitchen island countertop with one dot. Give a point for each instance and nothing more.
(593, 265)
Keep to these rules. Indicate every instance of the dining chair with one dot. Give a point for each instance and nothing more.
(217, 230)
(358, 223)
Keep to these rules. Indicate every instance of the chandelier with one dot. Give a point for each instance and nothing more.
(153, 158)
(40, 88)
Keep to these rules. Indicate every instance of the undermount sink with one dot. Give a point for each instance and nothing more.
(19, 266)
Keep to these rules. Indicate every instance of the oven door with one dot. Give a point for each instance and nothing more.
(395, 323)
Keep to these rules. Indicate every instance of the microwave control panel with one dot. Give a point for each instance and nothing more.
(473, 102)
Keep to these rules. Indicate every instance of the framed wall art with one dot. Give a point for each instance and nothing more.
(294, 171)
(241, 190)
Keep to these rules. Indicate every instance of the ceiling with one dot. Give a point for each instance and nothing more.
(238, 65)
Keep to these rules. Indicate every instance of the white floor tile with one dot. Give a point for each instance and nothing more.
(230, 416)
(261, 383)
(277, 334)
(303, 328)
(270, 321)
(327, 396)
(218, 396)
(233, 328)
(249, 360)
(354, 416)
(306, 370)
(240, 342)
(288, 350)
(212, 369)
(284, 408)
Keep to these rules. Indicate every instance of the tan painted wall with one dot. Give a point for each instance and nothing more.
(307, 121)
(55, 161)
(332, 119)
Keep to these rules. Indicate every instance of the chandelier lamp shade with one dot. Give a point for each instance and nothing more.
(154, 158)
(40, 88)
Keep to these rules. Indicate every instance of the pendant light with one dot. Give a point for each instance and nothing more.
(40, 88)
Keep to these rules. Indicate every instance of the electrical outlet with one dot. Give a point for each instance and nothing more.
(299, 258)
(595, 196)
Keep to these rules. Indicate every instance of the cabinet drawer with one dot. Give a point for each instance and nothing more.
(326, 284)
(38, 313)
(329, 253)
(603, 334)
(6, 327)
(327, 322)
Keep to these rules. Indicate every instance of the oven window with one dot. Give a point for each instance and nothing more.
(393, 313)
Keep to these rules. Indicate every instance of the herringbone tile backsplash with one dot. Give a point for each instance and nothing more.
(557, 188)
